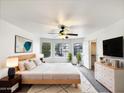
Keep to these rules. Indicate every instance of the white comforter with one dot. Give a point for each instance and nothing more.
(52, 71)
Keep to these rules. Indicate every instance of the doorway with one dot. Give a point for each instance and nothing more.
(93, 54)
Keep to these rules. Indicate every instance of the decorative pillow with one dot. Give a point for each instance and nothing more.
(37, 62)
(31, 60)
(21, 66)
(29, 65)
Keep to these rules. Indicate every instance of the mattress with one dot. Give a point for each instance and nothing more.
(50, 71)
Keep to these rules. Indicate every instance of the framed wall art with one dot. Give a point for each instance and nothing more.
(23, 45)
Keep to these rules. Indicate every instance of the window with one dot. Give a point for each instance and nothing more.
(46, 49)
(77, 48)
(61, 49)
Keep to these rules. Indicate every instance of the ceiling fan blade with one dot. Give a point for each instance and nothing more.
(71, 34)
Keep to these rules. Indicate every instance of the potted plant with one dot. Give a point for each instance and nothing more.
(69, 57)
(78, 56)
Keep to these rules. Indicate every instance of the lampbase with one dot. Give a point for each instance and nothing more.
(41, 59)
(11, 72)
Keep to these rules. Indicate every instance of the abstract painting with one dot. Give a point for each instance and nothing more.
(23, 45)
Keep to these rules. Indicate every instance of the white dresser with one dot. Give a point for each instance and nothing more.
(111, 78)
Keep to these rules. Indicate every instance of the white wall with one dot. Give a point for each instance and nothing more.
(86, 54)
(7, 39)
(114, 30)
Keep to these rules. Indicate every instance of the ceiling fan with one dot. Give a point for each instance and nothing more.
(64, 31)
(63, 24)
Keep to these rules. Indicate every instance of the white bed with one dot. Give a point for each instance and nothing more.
(62, 71)
(49, 73)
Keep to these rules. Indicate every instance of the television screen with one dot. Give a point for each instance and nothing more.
(113, 47)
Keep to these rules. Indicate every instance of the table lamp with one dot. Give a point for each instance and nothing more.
(41, 57)
(11, 63)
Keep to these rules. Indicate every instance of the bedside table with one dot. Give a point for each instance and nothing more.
(10, 85)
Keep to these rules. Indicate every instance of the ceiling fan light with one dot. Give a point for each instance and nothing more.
(61, 32)
(65, 32)
(62, 36)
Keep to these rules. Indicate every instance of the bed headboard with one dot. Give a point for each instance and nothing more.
(24, 57)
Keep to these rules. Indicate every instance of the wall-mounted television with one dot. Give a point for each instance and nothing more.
(113, 47)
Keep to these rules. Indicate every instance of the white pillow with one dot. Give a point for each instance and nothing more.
(29, 65)
(37, 62)
(21, 66)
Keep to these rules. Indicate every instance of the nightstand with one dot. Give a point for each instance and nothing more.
(10, 85)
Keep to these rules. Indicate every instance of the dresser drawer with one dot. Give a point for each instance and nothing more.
(109, 82)
(110, 87)
(111, 78)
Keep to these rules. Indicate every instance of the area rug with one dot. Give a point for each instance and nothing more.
(54, 89)
(84, 87)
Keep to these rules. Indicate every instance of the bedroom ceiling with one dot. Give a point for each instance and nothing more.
(39, 16)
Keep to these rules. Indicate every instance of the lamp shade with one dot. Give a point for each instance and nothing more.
(12, 62)
(41, 55)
